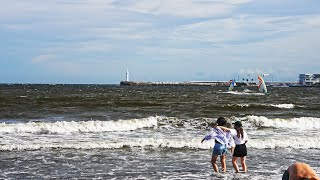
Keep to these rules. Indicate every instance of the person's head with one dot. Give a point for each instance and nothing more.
(237, 124)
(221, 121)
(301, 171)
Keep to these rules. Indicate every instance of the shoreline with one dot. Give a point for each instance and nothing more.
(191, 83)
(212, 83)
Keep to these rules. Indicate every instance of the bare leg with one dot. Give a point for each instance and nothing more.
(223, 162)
(243, 163)
(234, 163)
(214, 163)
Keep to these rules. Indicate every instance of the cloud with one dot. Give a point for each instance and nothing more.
(16, 27)
(112, 10)
(53, 64)
(208, 36)
(120, 20)
(42, 58)
(86, 47)
(184, 8)
(240, 29)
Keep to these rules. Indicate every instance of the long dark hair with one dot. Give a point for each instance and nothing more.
(239, 132)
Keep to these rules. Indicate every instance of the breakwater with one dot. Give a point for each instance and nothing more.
(211, 83)
(191, 83)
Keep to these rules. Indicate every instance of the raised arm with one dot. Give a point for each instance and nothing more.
(209, 136)
(225, 128)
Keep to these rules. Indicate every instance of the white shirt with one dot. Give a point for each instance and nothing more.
(219, 135)
(231, 143)
(237, 140)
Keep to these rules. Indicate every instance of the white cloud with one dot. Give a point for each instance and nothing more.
(236, 1)
(99, 9)
(53, 64)
(16, 27)
(185, 8)
(180, 34)
(240, 28)
(89, 47)
(42, 58)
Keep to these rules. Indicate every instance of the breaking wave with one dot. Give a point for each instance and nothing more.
(302, 123)
(155, 143)
(250, 93)
(285, 106)
(281, 106)
(288, 142)
(64, 127)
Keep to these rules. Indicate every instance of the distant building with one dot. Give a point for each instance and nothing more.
(309, 79)
(127, 75)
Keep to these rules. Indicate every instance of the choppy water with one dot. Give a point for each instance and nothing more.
(105, 132)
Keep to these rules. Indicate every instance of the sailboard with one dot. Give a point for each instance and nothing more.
(232, 84)
(262, 85)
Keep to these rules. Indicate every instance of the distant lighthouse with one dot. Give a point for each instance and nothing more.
(127, 75)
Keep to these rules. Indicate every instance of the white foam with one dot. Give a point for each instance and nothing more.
(285, 142)
(239, 105)
(285, 106)
(282, 106)
(141, 142)
(244, 93)
(302, 123)
(156, 143)
(63, 127)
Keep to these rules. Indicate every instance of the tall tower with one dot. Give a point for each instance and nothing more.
(127, 75)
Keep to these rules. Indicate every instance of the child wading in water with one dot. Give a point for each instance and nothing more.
(220, 146)
(240, 138)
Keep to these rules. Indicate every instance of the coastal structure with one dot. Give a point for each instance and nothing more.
(191, 83)
(127, 75)
(305, 80)
(127, 82)
(309, 79)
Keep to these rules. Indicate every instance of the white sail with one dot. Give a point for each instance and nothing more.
(231, 85)
(262, 85)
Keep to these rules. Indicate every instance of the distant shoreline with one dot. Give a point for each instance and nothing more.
(210, 83)
(191, 83)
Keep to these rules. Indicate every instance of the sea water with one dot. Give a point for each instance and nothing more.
(126, 132)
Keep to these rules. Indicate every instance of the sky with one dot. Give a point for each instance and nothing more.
(96, 41)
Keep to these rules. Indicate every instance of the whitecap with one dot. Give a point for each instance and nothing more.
(285, 106)
(301, 123)
(64, 127)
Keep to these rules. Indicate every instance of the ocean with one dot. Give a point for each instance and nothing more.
(124, 132)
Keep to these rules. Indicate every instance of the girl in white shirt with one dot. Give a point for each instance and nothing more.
(221, 141)
(240, 138)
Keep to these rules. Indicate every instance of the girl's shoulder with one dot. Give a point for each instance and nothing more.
(216, 129)
(232, 131)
